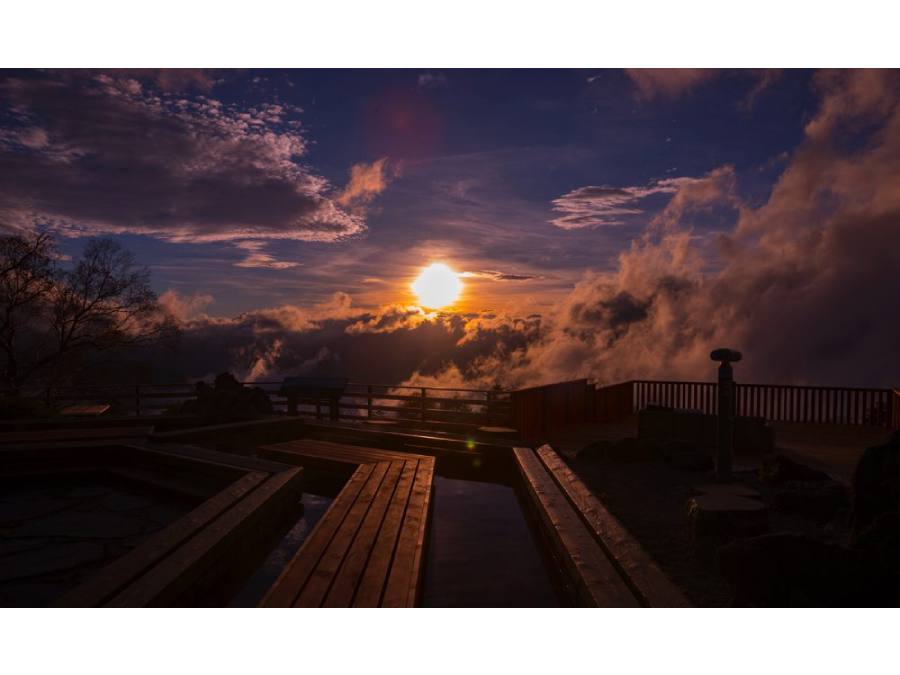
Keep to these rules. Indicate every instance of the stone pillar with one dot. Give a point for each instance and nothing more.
(725, 426)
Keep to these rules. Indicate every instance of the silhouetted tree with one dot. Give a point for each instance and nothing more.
(48, 314)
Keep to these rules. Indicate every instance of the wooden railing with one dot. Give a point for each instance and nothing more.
(853, 406)
(538, 411)
(453, 407)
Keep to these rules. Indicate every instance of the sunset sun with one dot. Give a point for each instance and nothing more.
(437, 286)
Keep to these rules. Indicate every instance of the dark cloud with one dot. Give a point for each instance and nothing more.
(106, 153)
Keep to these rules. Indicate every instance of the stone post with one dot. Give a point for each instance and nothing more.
(725, 426)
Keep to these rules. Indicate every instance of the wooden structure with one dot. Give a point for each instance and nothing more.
(463, 409)
(195, 559)
(368, 548)
(607, 565)
(314, 391)
(539, 411)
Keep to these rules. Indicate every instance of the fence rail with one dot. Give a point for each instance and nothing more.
(463, 407)
(540, 410)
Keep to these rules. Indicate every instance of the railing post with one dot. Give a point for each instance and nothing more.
(369, 404)
(725, 430)
(137, 400)
(423, 403)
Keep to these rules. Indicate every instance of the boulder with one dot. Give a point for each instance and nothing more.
(880, 541)
(791, 570)
(780, 468)
(717, 518)
(876, 483)
(734, 489)
(595, 450)
(819, 501)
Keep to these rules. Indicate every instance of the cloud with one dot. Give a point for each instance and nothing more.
(673, 83)
(172, 79)
(806, 286)
(367, 181)
(495, 275)
(91, 154)
(606, 205)
(668, 82)
(431, 81)
(257, 257)
(184, 308)
(804, 283)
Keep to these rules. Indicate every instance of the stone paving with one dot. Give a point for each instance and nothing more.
(58, 530)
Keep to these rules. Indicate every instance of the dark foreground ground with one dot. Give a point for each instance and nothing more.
(651, 497)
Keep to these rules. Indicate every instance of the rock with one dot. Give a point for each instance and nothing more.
(876, 483)
(623, 450)
(718, 518)
(818, 501)
(792, 570)
(880, 541)
(595, 450)
(780, 468)
(691, 460)
(734, 489)
(633, 450)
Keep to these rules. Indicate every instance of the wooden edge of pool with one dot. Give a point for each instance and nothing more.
(203, 543)
(607, 564)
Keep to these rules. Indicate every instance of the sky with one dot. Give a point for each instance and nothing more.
(606, 223)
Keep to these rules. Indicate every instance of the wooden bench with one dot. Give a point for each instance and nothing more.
(368, 548)
(608, 566)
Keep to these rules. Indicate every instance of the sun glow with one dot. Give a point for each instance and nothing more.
(437, 286)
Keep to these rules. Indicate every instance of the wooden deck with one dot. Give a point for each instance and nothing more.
(607, 565)
(367, 550)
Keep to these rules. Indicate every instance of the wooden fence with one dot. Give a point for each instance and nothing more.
(453, 407)
(538, 411)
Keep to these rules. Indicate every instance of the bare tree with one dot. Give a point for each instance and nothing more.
(48, 315)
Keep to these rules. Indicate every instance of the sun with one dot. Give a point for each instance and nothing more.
(437, 286)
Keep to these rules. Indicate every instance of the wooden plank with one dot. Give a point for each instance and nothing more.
(115, 576)
(598, 581)
(287, 587)
(371, 586)
(327, 451)
(638, 569)
(406, 572)
(162, 584)
(323, 575)
(348, 576)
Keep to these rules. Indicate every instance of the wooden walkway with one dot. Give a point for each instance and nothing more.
(368, 548)
(607, 565)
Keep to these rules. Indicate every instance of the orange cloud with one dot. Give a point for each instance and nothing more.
(668, 82)
(367, 181)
